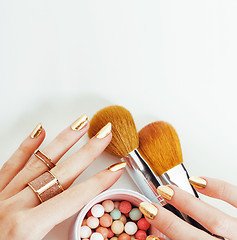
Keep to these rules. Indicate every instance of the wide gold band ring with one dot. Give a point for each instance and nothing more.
(47, 161)
(46, 186)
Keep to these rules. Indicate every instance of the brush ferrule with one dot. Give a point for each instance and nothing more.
(143, 176)
(178, 176)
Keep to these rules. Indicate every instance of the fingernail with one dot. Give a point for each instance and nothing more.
(148, 209)
(105, 131)
(36, 132)
(198, 182)
(151, 237)
(117, 166)
(166, 192)
(80, 123)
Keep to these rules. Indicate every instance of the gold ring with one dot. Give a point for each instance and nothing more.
(46, 186)
(47, 161)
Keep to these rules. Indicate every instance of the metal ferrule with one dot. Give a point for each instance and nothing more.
(178, 176)
(143, 176)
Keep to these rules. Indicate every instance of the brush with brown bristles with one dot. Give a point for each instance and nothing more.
(124, 145)
(160, 145)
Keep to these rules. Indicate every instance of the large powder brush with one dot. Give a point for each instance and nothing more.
(160, 144)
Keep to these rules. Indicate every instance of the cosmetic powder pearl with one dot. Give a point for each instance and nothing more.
(85, 232)
(130, 228)
(114, 238)
(125, 207)
(108, 205)
(124, 236)
(135, 214)
(143, 224)
(96, 236)
(106, 220)
(140, 235)
(132, 238)
(92, 222)
(84, 222)
(151, 237)
(110, 234)
(116, 205)
(103, 231)
(115, 214)
(97, 210)
(123, 219)
(117, 227)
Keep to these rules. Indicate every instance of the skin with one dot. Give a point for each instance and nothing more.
(20, 209)
(210, 217)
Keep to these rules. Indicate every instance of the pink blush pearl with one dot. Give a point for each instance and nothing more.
(116, 204)
(114, 238)
(111, 234)
(106, 220)
(108, 205)
(103, 231)
(124, 236)
(125, 207)
(92, 222)
(123, 219)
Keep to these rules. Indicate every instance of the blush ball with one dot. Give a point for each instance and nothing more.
(117, 227)
(85, 232)
(97, 210)
(106, 220)
(125, 207)
(135, 214)
(143, 224)
(108, 205)
(92, 222)
(130, 228)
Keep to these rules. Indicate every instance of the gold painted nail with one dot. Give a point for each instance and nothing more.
(166, 192)
(198, 182)
(105, 131)
(117, 166)
(80, 123)
(151, 237)
(148, 209)
(36, 132)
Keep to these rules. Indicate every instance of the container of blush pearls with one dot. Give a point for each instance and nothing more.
(115, 195)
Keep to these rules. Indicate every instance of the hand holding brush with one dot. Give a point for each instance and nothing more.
(208, 216)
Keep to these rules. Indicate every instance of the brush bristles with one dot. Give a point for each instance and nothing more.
(125, 136)
(160, 145)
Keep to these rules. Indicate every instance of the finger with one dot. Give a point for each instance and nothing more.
(209, 217)
(55, 150)
(171, 225)
(73, 199)
(18, 160)
(216, 188)
(67, 171)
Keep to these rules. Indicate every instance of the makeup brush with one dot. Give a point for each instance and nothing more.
(160, 145)
(124, 145)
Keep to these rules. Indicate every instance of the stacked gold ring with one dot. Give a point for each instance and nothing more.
(46, 186)
(47, 161)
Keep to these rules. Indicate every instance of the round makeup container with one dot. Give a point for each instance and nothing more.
(115, 195)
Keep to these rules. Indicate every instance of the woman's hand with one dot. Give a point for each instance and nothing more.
(211, 218)
(21, 214)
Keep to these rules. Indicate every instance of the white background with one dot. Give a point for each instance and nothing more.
(163, 60)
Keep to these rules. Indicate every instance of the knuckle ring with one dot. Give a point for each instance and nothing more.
(43, 158)
(46, 186)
